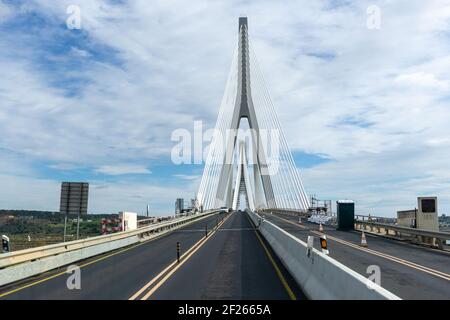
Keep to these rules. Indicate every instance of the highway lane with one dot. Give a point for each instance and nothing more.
(400, 276)
(232, 264)
(117, 276)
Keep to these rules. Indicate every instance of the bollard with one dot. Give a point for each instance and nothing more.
(178, 252)
(309, 246)
(206, 231)
(323, 244)
(5, 244)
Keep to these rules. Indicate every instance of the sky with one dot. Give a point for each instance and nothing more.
(365, 109)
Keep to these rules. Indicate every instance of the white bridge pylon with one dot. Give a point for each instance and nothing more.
(268, 176)
(242, 185)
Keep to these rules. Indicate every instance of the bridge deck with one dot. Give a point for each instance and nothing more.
(118, 276)
(407, 270)
(230, 264)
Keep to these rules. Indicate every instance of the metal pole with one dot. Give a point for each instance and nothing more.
(79, 211)
(66, 209)
(78, 226)
(65, 227)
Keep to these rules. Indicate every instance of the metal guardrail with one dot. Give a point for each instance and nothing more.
(291, 212)
(438, 235)
(370, 218)
(154, 220)
(319, 276)
(21, 256)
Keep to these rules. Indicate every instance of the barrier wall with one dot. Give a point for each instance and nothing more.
(22, 264)
(319, 276)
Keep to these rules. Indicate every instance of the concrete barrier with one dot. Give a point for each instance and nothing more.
(22, 264)
(319, 276)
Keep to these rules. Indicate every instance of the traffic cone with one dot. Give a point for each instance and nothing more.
(363, 240)
(320, 228)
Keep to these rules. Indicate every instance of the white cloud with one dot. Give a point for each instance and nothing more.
(80, 52)
(422, 79)
(125, 196)
(63, 166)
(186, 176)
(104, 197)
(122, 169)
(6, 13)
(322, 64)
(34, 194)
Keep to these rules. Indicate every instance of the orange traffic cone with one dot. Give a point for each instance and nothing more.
(363, 240)
(320, 228)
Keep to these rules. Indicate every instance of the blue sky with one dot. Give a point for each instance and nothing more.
(365, 111)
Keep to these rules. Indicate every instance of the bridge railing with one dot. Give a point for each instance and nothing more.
(25, 263)
(436, 237)
(153, 220)
(319, 276)
(378, 219)
(291, 212)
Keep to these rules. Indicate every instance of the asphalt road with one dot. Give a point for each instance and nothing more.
(118, 276)
(232, 264)
(422, 273)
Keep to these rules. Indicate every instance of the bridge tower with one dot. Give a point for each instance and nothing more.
(270, 190)
(244, 108)
(242, 185)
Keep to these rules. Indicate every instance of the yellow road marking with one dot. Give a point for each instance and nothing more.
(64, 272)
(84, 265)
(175, 265)
(275, 266)
(139, 292)
(410, 264)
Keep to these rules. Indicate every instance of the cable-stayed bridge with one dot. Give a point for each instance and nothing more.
(265, 252)
(273, 180)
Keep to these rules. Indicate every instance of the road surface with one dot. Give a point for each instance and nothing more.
(233, 262)
(407, 270)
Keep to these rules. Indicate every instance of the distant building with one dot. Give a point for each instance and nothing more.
(424, 217)
(74, 198)
(179, 205)
(427, 213)
(128, 220)
(407, 218)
